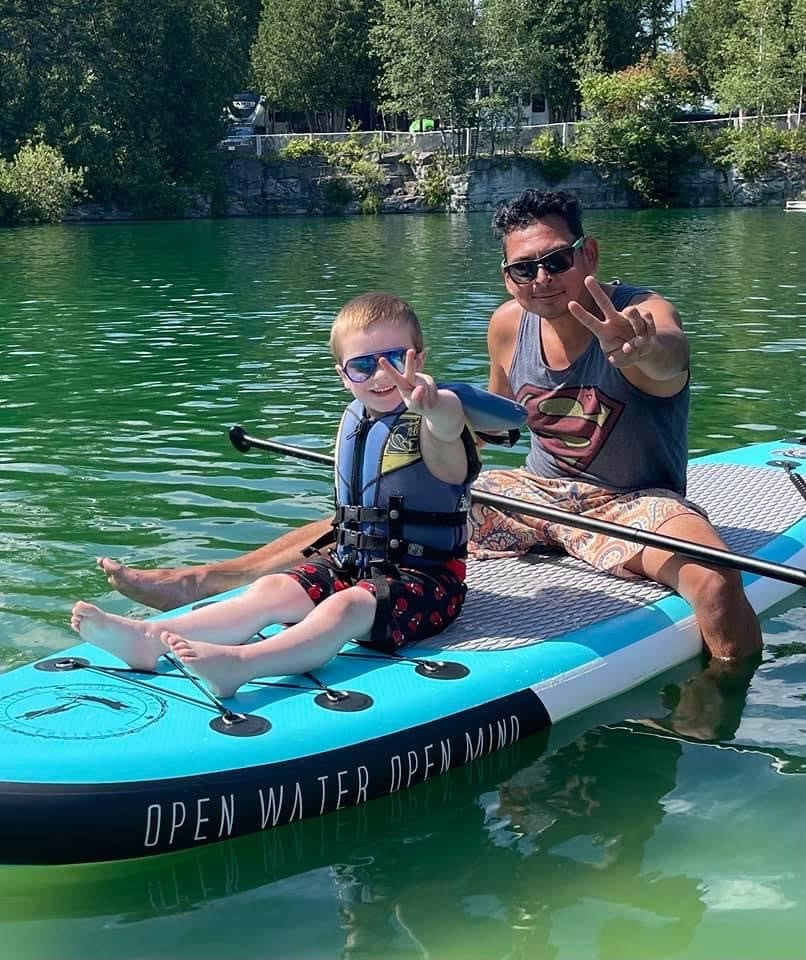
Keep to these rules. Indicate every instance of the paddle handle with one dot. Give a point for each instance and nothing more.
(696, 551)
(241, 440)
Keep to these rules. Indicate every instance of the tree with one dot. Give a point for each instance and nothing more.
(37, 186)
(313, 56)
(617, 33)
(429, 53)
(630, 124)
(134, 100)
(758, 60)
(549, 47)
(529, 48)
(798, 31)
(700, 37)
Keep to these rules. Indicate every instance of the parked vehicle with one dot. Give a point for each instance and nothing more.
(247, 109)
(239, 137)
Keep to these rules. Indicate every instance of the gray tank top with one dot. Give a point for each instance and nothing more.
(588, 421)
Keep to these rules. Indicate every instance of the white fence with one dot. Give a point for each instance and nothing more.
(503, 140)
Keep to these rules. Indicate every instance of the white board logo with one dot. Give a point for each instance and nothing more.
(91, 711)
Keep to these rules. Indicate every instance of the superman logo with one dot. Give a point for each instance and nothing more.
(572, 423)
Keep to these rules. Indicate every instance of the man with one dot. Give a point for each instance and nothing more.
(603, 370)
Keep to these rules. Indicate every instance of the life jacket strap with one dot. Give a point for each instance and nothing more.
(379, 632)
(326, 540)
(396, 549)
(431, 518)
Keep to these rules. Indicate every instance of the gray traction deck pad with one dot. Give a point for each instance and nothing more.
(517, 602)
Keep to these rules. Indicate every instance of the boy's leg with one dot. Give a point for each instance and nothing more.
(165, 588)
(343, 616)
(271, 599)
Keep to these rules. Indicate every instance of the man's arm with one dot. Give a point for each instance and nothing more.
(645, 340)
(501, 335)
(668, 362)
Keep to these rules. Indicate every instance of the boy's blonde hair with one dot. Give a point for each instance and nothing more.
(363, 312)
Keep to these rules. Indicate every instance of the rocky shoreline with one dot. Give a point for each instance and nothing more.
(272, 186)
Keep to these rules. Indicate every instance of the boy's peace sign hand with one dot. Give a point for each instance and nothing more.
(626, 336)
(417, 390)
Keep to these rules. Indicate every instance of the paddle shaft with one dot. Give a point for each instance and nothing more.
(696, 551)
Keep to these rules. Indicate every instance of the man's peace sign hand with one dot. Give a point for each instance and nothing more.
(626, 336)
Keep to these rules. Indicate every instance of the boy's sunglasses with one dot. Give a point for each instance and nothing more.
(360, 369)
(558, 261)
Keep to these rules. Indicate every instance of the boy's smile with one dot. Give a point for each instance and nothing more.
(378, 394)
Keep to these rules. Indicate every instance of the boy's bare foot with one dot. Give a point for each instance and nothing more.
(161, 589)
(135, 642)
(222, 669)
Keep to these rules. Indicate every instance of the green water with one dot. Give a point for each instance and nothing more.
(127, 352)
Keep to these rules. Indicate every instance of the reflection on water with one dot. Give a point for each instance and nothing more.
(128, 352)
(621, 843)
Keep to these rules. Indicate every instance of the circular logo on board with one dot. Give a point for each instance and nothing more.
(91, 711)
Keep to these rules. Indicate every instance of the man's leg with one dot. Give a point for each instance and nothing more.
(728, 624)
(165, 588)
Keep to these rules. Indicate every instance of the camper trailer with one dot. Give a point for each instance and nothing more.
(247, 110)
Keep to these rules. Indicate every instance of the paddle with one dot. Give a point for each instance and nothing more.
(711, 555)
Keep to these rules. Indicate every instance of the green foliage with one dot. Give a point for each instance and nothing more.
(336, 193)
(301, 147)
(758, 59)
(346, 153)
(754, 150)
(555, 159)
(133, 97)
(615, 34)
(700, 36)
(364, 178)
(630, 125)
(312, 56)
(37, 186)
(371, 203)
(529, 47)
(368, 175)
(750, 54)
(435, 186)
(429, 56)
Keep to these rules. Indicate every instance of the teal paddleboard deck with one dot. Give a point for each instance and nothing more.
(100, 762)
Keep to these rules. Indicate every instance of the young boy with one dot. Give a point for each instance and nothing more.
(404, 463)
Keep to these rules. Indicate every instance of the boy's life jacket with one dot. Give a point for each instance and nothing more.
(390, 508)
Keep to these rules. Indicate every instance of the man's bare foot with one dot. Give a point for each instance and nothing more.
(162, 589)
(222, 669)
(135, 642)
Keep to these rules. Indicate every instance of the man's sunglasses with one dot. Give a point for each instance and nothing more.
(558, 261)
(360, 369)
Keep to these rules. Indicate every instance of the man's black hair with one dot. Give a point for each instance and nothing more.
(533, 205)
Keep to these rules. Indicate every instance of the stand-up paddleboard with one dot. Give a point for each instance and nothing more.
(100, 762)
